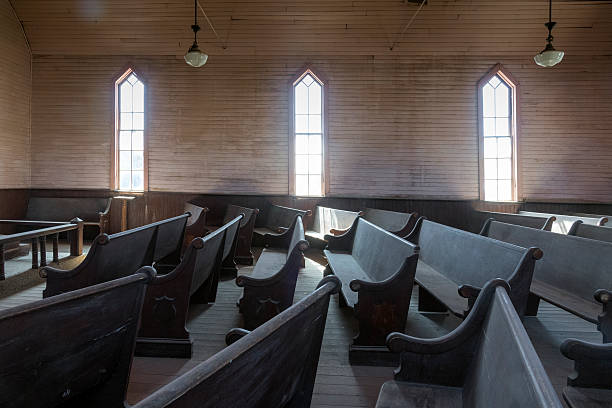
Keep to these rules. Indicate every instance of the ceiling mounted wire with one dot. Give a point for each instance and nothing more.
(223, 45)
(416, 13)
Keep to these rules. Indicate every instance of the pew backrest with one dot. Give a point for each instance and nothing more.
(569, 262)
(277, 216)
(232, 228)
(196, 223)
(598, 233)
(75, 348)
(326, 219)
(273, 366)
(531, 221)
(232, 211)
(563, 223)
(65, 209)
(398, 223)
(298, 234)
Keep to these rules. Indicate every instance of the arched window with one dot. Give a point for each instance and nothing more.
(129, 152)
(308, 133)
(497, 93)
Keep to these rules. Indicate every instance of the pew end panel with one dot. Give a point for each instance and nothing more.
(196, 224)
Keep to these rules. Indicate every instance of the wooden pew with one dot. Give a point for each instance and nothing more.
(92, 210)
(563, 223)
(275, 220)
(377, 270)
(572, 274)
(163, 331)
(531, 221)
(196, 223)
(580, 229)
(453, 266)
(270, 288)
(117, 255)
(488, 361)
(327, 220)
(273, 366)
(243, 254)
(590, 385)
(72, 350)
(398, 223)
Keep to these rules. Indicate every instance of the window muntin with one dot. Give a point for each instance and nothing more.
(308, 132)
(130, 134)
(498, 139)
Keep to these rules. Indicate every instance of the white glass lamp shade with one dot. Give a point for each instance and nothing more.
(195, 57)
(549, 57)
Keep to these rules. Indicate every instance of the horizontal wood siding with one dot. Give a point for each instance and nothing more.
(15, 94)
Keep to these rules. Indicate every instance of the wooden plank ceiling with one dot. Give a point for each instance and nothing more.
(314, 27)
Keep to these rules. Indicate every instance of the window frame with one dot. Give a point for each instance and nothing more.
(513, 84)
(308, 70)
(114, 173)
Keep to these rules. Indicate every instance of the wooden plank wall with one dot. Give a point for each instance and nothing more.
(402, 123)
(15, 94)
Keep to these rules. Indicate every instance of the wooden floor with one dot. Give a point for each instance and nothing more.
(338, 384)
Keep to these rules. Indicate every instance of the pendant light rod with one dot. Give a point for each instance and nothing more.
(223, 45)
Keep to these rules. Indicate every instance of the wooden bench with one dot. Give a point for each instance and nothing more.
(72, 350)
(531, 221)
(117, 255)
(590, 385)
(398, 223)
(488, 361)
(327, 220)
(243, 254)
(273, 366)
(563, 223)
(580, 229)
(572, 275)
(270, 288)
(163, 331)
(196, 223)
(453, 266)
(92, 210)
(377, 270)
(276, 219)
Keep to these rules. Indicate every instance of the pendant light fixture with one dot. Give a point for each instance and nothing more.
(195, 57)
(549, 57)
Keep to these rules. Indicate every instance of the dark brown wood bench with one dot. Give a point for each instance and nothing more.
(488, 361)
(580, 229)
(92, 210)
(196, 223)
(273, 366)
(117, 255)
(243, 254)
(572, 275)
(377, 270)
(326, 220)
(72, 350)
(163, 331)
(270, 288)
(275, 219)
(590, 384)
(531, 221)
(563, 222)
(398, 223)
(454, 265)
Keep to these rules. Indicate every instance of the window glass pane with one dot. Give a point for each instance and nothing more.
(314, 124)
(501, 101)
(137, 180)
(132, 79)
(504, 169)
(314, 186)
(314, 146)
(504, 147)
(314, 99)
(301, 144)
(504, 190)
(124, 141)
(307, 80)
(494, 81)
(314, 164)
(301, 99)
(301, 123)
(138, 95)
(490, 187)
(502, 127)
(488, 101)
(126, 121)
(137, 140)
(125, 93)
(489, 127)
(137, 160)
(124, 180)
(490, 147)
(490, 168)
(138, 121)
(301, 185)
(301, 164)
(125, 160)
